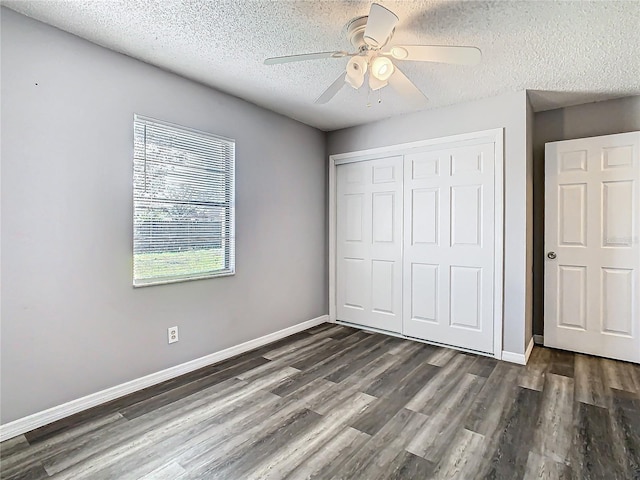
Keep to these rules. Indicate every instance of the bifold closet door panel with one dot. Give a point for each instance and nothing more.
(448, 264)
(369, 243)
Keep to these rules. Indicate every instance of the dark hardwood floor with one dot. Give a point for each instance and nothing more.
(338, 403)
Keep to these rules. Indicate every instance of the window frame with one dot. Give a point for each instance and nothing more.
(228, 233)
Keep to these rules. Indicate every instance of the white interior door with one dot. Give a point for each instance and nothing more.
(592, 213)
(369, 243)
(449, 246)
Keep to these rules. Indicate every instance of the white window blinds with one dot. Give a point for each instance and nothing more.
(183, 202)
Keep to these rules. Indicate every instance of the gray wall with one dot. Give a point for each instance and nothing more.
(589, 120)
(508, 111)
(71, 322)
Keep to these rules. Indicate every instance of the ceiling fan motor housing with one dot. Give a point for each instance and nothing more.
(355, 32)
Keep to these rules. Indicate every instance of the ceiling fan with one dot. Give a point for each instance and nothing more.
(370, 35)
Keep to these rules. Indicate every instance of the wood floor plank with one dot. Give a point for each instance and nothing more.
(154, 446)
(400, 347)
(442, 356)
(335, 451)
(359, 381)
(589, 386)
(214, 445)
(98, 452)
(561, 363)
(344, 332)
(494, 400)
(540, 467)
(13, 445)
(150, 428)
(593, 458)
(508, 456)
(291, 358)
(227, 428)
(318, 328)
(407, 465)
(554, 430)
(339, 393)
(482, 366)
(249, 455)
(292, 454)
(324, 368)
(31, 472)
(403, 372)
(358, 362)
(463, 458)
(61, 443)
(380, 451)
(170, 471)
(389, 401)
(437, 390)
(625, 418)
(617, 375)
(533, 374)
(302, 353)
(306, 341)
(444, 424)
(270, 416)
(328, 351)
(183, 391)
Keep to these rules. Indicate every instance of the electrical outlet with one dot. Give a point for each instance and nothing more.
(172, 334)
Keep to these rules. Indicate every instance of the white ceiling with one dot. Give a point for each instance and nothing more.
(572, 52)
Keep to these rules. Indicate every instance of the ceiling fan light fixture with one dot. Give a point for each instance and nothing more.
(353, 81)
(376, 83)
(356, 68)
(381, 68)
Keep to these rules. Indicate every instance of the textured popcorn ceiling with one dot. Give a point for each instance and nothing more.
(572, 52)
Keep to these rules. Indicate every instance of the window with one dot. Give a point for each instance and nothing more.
(183, 204)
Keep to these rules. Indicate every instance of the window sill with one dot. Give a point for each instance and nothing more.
(150, 283)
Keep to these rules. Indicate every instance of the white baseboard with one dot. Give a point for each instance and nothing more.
(519, 358)
(39, 419)
(538, 339)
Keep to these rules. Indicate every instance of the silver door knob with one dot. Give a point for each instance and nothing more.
(551, 255)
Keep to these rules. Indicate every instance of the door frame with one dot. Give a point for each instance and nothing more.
(495, 136)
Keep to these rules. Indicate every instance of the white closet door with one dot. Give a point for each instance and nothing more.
(369, 243)
(592, 232)
(449, 246)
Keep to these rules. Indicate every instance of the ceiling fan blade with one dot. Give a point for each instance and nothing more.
(437, 53)
(330, 92)
(305, 56)
(380, 25)
(401, 84)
